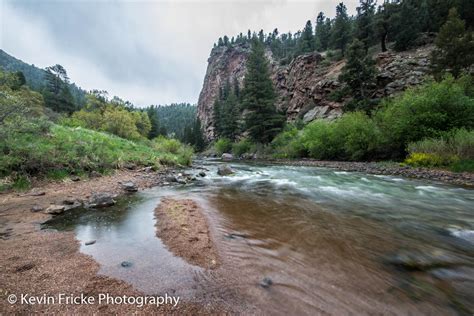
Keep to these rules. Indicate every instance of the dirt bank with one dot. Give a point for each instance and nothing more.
(182, 226)
(39, 262)
(392, 169)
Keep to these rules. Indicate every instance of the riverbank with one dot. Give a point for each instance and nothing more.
(384, 168)
(43, 262)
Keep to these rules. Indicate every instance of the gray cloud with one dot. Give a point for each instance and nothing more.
(148, 52)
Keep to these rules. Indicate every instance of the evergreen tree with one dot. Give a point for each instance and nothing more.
(155, 123)
(322, 32)
(359, 72)
(407, 27)
(57, 95)
(341, 31)
(383, 22)
(262, 120)
(198, 137)
(229, 116)
(306, 42)
(454, 47)
(216, 116)
(365, 22)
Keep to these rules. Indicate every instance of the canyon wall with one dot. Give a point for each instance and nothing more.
(304, 87)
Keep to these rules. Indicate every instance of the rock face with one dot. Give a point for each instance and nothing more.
(303, 87)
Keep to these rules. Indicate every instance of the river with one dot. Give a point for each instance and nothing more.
(331, 242)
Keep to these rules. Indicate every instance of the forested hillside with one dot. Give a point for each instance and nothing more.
(36, 78)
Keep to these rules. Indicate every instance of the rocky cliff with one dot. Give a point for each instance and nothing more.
(305, 87)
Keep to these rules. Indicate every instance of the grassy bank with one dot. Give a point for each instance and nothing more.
(54, 151)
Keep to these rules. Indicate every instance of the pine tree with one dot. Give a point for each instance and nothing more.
(198, 136)
(454, 47)
(306, 42)
(359, 72)
(322, 32)
(365, 22)
(262, 120)
(341, 31)
(407, 27)
(57, 95)
(155, 123)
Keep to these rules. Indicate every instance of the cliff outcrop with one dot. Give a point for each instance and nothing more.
(305, 87)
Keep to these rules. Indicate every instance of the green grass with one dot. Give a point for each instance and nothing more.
(65, 150)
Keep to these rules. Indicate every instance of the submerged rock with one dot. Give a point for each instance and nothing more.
(90, 242)
(126, 264)
(101, 199)
(425, 260)
(225, 170)
(202, 174)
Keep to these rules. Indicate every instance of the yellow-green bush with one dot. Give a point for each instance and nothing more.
(223, 145)
(425, 160)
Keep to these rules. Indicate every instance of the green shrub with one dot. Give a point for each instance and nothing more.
(242, 147)
(223, 145)
(288, 144)
(21, 183)
(463, 166)
(427, 111)
(352, 137)
(57, 174)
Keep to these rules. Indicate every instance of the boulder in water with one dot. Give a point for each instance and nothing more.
(227, 156)
(101, 199)
(225, 170)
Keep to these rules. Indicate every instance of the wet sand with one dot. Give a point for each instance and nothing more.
(39, 262)
(183, 228)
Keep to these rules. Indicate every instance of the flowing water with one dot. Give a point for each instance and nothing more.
(330, 241)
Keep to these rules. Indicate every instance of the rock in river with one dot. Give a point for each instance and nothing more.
(101, 199)
(266, 282)
(226, 156)
(224, 170)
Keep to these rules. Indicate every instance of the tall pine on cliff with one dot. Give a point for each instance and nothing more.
(262, 120)
(455, 47)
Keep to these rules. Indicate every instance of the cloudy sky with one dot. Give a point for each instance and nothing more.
(148, 52)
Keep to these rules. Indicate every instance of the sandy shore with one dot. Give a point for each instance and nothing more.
(182, 226)
(39, 262)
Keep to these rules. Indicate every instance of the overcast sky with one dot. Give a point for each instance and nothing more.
(147, 52)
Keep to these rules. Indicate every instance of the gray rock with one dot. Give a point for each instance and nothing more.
(94, 174)
(202, 174)
(73, 206)
(171, 179)
(75, 178)
(90, 242)
(130, 186)
(126, 264)
(227, 156)
(101, 199)
(224, 170)
(37, 208)
(266, 282)
(69, 201)
(55, 209)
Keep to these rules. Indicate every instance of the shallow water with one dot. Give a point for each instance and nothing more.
(325, 238)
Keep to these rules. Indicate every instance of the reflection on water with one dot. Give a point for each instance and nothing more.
(331, 242)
